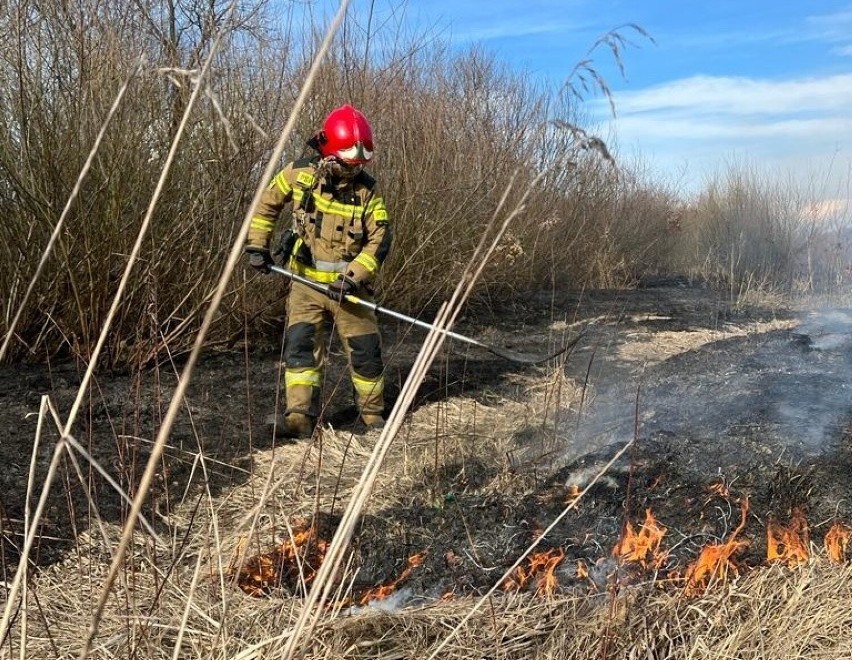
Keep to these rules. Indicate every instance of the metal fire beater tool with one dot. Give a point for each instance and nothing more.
(505, 353)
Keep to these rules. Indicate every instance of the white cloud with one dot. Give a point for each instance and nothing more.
(742, 96)
(739, 110)
(699, 127)
(834, 26)
(732, 38)
(474, 22)
(512, 28)
(801, 126)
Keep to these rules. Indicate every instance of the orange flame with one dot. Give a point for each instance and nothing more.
(541, 567)
(572, 494)
(716, 560)
(719, 488)
(547, 581)
(383, 591)
(788, 544)
(642, 546)
(837, 542)
(294, 562)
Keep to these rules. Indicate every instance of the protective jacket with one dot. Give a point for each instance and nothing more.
(340, 225)
(339, 229)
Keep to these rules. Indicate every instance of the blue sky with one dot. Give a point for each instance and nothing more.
(765, 85)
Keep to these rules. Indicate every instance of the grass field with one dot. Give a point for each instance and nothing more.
(502, 513)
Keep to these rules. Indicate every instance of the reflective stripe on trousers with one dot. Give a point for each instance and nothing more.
(305, 349)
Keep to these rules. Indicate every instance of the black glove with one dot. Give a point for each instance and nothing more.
(341, 287)
(260, 259)
(285, 246)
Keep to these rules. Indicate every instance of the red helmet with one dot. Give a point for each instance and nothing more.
(347, 135)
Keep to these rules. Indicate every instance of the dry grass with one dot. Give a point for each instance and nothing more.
(649, 348)
(772, 613)
(176, 598)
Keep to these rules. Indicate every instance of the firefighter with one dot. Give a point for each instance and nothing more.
(339, 236)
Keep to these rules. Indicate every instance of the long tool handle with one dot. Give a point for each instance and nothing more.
(513, 356)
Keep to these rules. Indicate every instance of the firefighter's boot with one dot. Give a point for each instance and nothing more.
(373, 421)
(295, 425)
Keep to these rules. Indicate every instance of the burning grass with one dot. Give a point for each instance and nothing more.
(538, 570)
(837, 542)
(716, 562)
(642, 546)
(640, 554)
(789, 544)
(771, 613)
(292, 565)
(648, 564)
(640, 596)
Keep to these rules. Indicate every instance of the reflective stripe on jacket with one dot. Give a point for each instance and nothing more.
(342, 223)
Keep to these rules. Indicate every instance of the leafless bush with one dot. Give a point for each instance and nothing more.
(746, 232)
(61, 68)
(453, 130)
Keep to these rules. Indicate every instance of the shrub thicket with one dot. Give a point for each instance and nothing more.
(454, 131)
(747, 232)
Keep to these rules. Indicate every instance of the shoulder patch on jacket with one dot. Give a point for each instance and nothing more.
(305, 179)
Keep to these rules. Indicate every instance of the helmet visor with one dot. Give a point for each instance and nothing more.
(356, 154)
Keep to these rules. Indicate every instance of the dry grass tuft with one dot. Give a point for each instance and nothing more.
(771, 614)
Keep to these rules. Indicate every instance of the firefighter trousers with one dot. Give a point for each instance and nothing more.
(305, 350)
